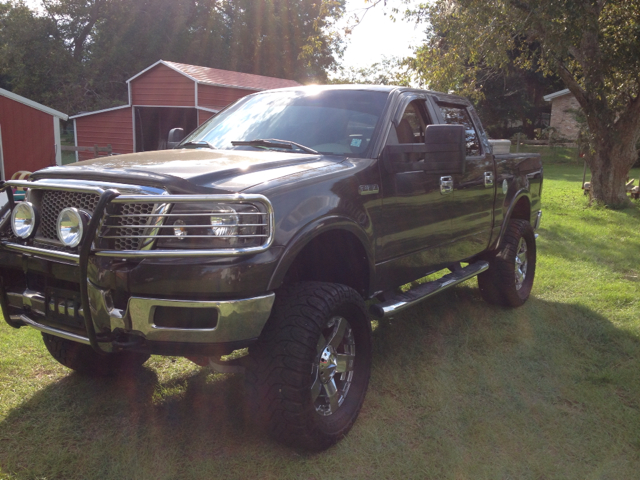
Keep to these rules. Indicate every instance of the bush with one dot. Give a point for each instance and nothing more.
(514, 138)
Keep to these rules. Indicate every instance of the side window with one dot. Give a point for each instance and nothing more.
(412, 125)
(458, 115)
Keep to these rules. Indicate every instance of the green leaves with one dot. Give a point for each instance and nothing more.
(77, 54)
(592, 45)
(389, 71)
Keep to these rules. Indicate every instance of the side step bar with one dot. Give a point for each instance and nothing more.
(400, 301)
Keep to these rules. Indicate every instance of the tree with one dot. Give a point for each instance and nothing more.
(592, 45)
(34, 60)
(279, 38)
(76, 55)
(511, 100)
(389, 71)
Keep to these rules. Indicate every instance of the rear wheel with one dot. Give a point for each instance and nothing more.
(84, 359)
(509, 280)
(308, 373)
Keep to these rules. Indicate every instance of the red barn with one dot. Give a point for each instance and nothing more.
(29, 135)
(166, 95)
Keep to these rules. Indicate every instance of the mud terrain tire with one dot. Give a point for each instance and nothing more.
(509, 280)
(308, 373)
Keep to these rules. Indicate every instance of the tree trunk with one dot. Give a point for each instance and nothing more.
(610, 166)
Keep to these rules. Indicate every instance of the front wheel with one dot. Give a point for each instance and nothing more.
(308, 374)
(509, 280)
(85, 360)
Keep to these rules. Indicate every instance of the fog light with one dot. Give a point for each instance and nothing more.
(23, 220)
(71, 226)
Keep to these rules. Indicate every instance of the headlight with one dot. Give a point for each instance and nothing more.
(23, 219)
(71, 225)
(213, 225)
(224, 222)
(179, 229)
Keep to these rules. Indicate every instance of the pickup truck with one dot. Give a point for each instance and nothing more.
(266, 230)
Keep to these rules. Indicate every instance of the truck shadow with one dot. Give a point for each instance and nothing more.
(105, 423)
(144, 428)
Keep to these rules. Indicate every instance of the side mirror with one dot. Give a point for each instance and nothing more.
(175, 137)
(444, 152)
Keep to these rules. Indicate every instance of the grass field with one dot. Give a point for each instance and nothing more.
(67, 157)
(459, 389)
(555, 155)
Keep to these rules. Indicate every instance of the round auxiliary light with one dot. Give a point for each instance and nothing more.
(224, 222)
(23, 220)
(70, 226)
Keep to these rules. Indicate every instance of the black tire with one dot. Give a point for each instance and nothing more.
(509, 280)
(315, 330)
(85, 360)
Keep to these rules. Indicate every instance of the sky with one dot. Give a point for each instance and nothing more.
(377, 35)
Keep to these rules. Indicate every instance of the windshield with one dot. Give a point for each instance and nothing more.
(336, 122)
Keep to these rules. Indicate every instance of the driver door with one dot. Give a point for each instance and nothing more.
(415, 232)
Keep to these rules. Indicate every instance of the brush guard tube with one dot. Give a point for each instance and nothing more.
(85, 251)
(3, 295)
(239, 320)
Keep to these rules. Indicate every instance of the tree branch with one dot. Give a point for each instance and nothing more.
(50, 14)
(78, 40)
(572, 84)
(366, 10)
(629, 120)
(521, 6)
(600, 5)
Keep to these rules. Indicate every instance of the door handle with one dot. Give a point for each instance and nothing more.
(446, 185)
(488, 179)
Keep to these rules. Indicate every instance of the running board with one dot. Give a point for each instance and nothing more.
(400, 301)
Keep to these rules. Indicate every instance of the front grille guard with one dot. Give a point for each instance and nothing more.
(158, 230)
(86, 247)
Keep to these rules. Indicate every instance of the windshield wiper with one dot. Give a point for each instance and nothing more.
(199, 143)
(273, 143)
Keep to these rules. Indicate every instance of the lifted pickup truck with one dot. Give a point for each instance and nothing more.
(268, 227)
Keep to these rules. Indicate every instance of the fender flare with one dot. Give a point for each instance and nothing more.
(514, 201)
(313, 230)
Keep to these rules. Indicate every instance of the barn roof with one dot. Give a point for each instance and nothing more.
(557, 94)
(223, 78)
(84, 114)
(32, 104)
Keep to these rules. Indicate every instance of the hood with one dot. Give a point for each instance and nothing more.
(181, 170)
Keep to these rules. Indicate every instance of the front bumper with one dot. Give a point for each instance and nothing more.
(55, 293)
(237, 321)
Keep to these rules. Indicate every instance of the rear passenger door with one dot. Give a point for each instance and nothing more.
(474, 190)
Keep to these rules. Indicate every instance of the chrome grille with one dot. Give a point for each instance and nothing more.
(54, 201)
(133, 226)
(128, 230)
(134, 215)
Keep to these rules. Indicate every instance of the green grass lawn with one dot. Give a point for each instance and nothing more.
(555, 154)
(459, 389)
(67, 157)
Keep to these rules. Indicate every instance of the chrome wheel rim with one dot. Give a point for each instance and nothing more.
(332, 371)
(521, 263)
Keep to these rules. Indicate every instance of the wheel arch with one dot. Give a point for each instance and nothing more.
(309, 256)
(520, 208)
